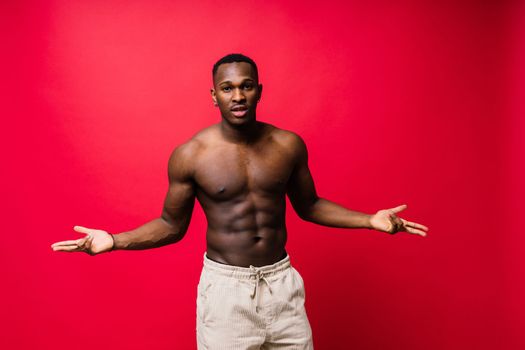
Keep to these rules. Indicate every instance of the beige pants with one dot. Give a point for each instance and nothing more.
(241, 308)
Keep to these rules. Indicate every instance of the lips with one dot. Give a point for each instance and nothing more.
(239, 110)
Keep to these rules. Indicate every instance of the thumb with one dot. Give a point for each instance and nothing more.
(399, 208)
(82, 229)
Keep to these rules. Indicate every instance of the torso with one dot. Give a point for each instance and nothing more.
(242, 189)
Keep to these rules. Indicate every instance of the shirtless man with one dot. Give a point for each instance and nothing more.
(240, 170)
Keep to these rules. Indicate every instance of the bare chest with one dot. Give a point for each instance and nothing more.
(228, 171)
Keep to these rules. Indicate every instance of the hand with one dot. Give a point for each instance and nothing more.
(95, 242)
(386, 220)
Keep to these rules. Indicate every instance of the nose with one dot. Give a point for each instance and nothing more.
(238, 96)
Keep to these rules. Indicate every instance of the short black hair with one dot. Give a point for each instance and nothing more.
(235, 57)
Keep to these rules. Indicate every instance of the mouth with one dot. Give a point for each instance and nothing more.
(239, 111)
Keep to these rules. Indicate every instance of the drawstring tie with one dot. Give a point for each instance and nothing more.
(258, 277)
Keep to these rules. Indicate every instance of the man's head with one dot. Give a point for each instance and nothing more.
(234, 57)
(236, 89)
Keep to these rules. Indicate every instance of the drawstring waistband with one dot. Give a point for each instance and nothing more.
(258, 277)
(258, 273)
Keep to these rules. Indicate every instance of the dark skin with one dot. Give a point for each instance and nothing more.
(240, 170)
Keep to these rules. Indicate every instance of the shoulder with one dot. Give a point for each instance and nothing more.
(181, 163)
(289, 140)
(194, 146)
(185, 152)
(184, 157)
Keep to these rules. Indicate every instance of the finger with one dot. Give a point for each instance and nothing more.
(416, 231)
(68, 249)
(89, 241)
(398, 208)
(83, 241)
(416, 225)
(73, 245)
(79, 244)
(82, 229)
(397, 222)
(76, 241)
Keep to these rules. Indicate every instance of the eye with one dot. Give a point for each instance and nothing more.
(226, 88)
(248, 86)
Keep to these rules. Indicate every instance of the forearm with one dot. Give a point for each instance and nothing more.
(153, 234)
(327, 213)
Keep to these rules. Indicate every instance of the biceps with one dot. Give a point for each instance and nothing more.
(301, 188)
(179, 202)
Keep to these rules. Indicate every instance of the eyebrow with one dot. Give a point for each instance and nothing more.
(243, 81)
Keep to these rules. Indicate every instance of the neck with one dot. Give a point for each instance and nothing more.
(241, 133)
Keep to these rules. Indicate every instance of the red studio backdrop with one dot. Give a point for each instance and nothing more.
(416, 102)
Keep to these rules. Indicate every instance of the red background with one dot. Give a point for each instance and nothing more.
(412, 102)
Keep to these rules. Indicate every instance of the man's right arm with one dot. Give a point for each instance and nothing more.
(173, 223)
(169, 228)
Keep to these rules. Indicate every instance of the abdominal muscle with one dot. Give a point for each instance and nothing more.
(246, 232)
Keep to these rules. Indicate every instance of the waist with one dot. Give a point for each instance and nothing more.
(247, 272)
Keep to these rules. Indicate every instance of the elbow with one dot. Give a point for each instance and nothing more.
(175, 231)
(306, 217)
(304, 214)
(307, 209)
(175, 235)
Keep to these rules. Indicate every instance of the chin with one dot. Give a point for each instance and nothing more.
(239, 121)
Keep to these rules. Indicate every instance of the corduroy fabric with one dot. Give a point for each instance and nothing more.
(241, 308)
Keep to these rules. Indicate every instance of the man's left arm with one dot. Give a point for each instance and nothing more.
(310, 207)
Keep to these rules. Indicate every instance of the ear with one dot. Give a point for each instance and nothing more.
(213, 96)
(260, 92)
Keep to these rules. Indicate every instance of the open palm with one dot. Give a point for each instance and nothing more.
(95, 242)
(386, 220)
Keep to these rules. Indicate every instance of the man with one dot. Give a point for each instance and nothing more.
(240, 170)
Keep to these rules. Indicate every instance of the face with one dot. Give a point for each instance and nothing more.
(236, 92)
